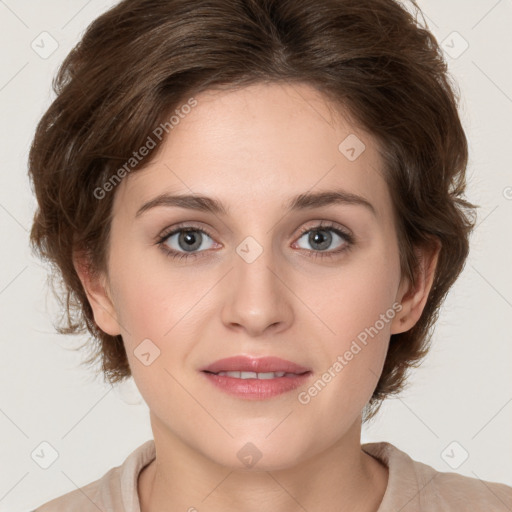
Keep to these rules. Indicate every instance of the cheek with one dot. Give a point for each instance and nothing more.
(158, 311)
(357, 306)
(150, 299)
(355, 296)
(154, 314)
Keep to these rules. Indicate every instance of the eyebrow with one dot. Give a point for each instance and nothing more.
(308, 200)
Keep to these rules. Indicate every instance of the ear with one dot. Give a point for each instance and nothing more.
(413, 299)
(99, 295)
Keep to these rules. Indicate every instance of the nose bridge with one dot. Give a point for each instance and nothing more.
(257, 298)
(253, 264)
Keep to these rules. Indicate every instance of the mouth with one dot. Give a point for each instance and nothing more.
(256, 378)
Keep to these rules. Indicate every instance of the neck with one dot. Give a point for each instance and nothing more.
(342, 478)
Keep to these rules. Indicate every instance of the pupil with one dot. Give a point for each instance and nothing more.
(191, 241)
(319, 237)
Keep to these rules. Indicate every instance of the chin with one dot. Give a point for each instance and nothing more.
(258, 455)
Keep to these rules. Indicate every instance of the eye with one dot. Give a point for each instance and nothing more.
(322, 238)
(185, 242)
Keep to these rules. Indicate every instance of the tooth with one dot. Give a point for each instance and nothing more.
(248, 375)
(254, 375)
(268, 375)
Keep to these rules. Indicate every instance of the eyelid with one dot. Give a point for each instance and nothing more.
(183, 226)
(327, 224)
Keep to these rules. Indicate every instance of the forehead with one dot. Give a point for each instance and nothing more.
(258, 145)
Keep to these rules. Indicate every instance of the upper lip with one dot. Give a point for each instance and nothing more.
(253, 364)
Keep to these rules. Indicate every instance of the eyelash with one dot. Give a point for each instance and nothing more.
(171, 253)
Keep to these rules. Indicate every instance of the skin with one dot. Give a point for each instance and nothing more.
(254, 149)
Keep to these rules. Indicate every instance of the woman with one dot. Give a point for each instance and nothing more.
(257, 210)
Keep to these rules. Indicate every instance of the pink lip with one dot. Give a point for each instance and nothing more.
(256, 389)
(258, 365)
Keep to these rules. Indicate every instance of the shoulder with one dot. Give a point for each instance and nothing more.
(87, 498)
(415, 486)
(457, 492)
(115, 490)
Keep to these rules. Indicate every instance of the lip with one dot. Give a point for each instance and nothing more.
(253, 388)
(252, 364)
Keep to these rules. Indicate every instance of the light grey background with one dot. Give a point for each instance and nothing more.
(463, 391)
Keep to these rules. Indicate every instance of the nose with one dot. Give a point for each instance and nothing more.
(258, 298)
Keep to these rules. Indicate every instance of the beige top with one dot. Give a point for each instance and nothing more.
(412, 486)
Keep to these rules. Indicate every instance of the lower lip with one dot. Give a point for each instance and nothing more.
(257, 389)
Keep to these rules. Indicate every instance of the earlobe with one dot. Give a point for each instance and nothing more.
(99, 296)
(413, 299)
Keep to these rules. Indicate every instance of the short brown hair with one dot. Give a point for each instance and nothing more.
(140, 60)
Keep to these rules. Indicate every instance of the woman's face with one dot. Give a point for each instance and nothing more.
(261, 279)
